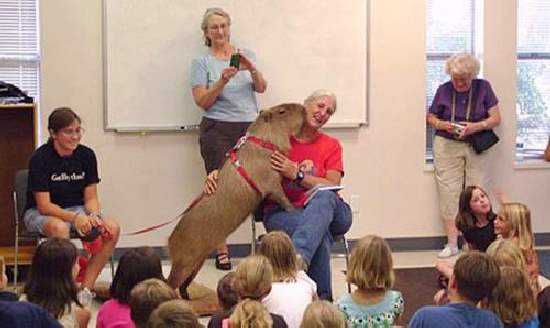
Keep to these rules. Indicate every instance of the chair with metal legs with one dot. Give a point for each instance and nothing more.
(21, 232)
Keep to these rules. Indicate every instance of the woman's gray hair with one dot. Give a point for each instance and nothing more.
(321, 93)
(204, 25)
(463, 63)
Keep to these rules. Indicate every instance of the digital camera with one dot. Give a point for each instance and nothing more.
(458, 129)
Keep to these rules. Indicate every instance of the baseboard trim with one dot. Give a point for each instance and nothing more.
(413, 244)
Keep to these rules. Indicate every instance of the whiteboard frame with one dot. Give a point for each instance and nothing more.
(195, 127)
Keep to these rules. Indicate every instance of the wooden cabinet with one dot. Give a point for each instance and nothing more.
(18, 140)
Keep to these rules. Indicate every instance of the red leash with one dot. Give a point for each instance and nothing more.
(232, 154)
(160, 225)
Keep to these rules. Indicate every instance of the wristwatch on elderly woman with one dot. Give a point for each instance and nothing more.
(300, 175)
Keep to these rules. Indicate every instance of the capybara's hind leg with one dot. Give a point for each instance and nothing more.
(183, 287)
(178, 274)
(181, 277)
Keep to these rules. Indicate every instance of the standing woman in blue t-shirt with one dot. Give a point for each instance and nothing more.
(62, 193)
(226, 94)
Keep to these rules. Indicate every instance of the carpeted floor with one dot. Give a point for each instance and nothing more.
(418, 286)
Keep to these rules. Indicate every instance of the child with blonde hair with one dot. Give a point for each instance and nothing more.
(173, 314)
(323, 314)
(506, 253)
(512, 300)
(514, 222)
(373, 302)
(250, 314)
(146, 296)
(292, 290)
(253, 278)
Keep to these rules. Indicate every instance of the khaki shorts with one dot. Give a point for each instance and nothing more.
(456, 165)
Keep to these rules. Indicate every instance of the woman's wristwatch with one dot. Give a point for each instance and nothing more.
(96, 215)
(300, 175)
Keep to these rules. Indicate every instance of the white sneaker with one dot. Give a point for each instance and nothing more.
(85, 296)
(448, 251)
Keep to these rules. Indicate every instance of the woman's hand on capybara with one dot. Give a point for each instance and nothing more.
(282, 164)
(211, 184)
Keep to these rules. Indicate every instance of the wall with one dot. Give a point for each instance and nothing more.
(148, 179)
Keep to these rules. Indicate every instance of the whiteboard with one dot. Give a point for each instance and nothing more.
(301, 45)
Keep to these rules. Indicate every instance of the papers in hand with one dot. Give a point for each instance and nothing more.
(313, 191)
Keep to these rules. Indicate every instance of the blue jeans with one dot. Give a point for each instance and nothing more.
(311, 230)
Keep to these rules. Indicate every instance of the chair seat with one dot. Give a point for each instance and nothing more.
(37, 235)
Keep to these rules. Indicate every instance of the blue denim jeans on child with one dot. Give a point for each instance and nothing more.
(312, 230)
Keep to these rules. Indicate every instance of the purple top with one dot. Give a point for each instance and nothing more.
(441, 105)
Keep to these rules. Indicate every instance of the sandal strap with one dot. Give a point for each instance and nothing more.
(222, 256)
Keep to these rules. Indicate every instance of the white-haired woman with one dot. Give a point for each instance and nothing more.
(226, 94)
(461, 107)
(315, 158)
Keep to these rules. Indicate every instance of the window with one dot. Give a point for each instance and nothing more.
(19, 47)
(451, 27)
(533, 78)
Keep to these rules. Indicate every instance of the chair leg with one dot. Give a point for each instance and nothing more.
(346, 247)
(112, 261)
(16, 255)
(253, 243)
(16, 258)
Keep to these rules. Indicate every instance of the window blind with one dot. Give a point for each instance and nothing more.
(19, 44)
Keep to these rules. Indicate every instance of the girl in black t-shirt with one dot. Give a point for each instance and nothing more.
(475, 218)
(475, 221)
(62, 192)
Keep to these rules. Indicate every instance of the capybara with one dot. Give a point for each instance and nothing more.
(208, 222)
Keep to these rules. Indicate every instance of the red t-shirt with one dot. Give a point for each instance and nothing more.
(316, 157)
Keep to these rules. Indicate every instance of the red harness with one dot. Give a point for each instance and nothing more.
(232, 154)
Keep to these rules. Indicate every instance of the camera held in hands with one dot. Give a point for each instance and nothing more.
(458, 129)
(235, 60)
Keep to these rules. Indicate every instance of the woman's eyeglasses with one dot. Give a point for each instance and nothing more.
(73, 132)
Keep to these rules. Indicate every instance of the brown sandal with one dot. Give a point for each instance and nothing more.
(223, 261)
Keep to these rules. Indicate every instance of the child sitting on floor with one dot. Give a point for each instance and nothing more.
(373, 303)
(173, 314)
(475, 221)
(5, 295)
(506, 253)
(513, 299)
(51, 282)
(474, 277)
(133, 267)
(323, 314)
(292, 290)
(146, 296)
(514, 222)
(253, 278)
